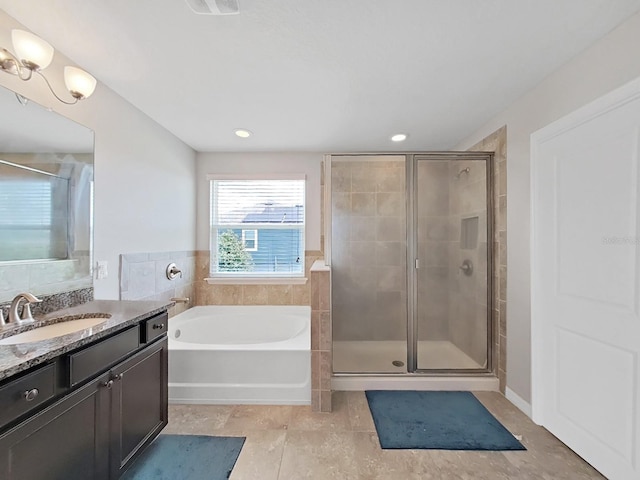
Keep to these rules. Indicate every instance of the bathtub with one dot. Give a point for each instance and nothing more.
(241, 355)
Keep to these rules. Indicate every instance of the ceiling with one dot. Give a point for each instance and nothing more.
(322, 75)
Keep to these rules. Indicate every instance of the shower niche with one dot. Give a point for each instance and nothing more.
(410, 259)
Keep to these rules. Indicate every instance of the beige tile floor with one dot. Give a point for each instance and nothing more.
(291, 443)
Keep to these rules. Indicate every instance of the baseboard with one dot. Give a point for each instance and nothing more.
(518, 401)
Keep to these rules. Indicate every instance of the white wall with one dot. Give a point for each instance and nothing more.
(144, 176)
(256, 163)
(606, 65)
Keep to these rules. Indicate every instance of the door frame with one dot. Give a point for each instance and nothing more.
(541, 403)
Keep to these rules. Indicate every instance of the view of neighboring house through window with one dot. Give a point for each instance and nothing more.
(257, 226)
(250, 240)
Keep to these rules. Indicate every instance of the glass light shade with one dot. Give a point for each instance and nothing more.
(79, 83)
(30, 49)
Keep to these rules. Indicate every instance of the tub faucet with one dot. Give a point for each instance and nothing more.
(26, 316)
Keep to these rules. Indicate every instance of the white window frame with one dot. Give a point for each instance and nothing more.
(254, 239)
(253, 277)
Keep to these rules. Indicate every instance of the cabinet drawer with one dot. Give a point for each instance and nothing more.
(154, 327)
(100, 356)
(25, 393)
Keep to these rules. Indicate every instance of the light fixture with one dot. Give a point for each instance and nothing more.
(399, 137)
(242, 133)
(33, 55)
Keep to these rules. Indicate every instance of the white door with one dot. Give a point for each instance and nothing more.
(586, 281)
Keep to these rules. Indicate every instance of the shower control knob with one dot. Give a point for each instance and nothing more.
(467, 267)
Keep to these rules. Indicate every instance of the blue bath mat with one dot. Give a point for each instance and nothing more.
(187, 457)
(436, 420)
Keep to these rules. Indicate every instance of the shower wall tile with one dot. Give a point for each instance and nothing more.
(363, 204)
(340, 204)
(362, 228)
(393, 254)
(497, 143)
(340, 177)
(390, 316)
(390, 178)
(390, 279)
(389, 204)
(389, 229)
(361, 253)
(363, 178)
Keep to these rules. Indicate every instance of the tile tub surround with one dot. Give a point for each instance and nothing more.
(321, 348)
(255, 294)
(497, 143)
(17, 358)
(294, 443)
(143, 277)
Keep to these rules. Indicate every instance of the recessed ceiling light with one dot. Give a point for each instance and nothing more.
(242, 133)
(399, 137)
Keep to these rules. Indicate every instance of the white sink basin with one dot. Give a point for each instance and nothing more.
(52, 331)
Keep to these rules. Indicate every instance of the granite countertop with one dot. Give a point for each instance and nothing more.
(17, 358)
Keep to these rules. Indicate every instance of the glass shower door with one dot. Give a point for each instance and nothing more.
(368, 263)
(452, 314)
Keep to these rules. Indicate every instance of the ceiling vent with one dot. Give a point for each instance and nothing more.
(214, 7)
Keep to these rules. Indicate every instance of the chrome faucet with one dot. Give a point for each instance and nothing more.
(26, 316)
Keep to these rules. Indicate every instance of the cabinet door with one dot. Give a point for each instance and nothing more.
(139, 404)
(67, 441)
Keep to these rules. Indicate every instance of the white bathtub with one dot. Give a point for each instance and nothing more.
(241, 355)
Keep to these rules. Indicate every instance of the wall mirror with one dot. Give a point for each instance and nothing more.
(46, 199)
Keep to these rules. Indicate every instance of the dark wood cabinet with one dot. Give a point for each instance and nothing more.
(67, 441)
(94, 431)
(139, 404)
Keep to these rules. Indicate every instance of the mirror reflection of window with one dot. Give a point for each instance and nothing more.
(34, 214)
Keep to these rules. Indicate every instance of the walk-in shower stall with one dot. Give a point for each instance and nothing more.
(410, 239)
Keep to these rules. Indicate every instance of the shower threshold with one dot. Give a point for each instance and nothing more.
(373, 365)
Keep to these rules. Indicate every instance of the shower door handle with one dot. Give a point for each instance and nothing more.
(466, 267)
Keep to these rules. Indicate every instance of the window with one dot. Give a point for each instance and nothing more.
(244, 210)
(250, 240)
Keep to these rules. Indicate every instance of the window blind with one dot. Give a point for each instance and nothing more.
(257, 227)
(28, 218)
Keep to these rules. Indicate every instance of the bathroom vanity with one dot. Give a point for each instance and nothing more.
(86, 404)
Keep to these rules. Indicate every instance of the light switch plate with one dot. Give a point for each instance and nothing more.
(101, 270)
